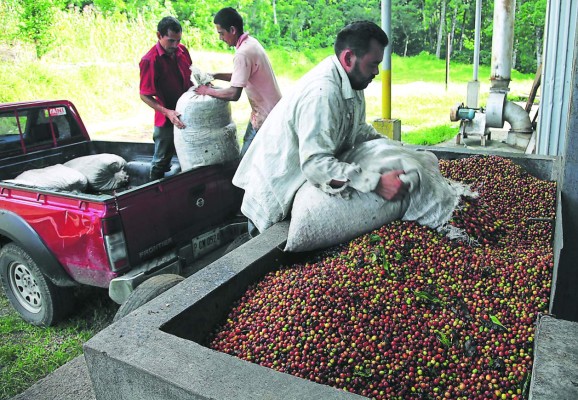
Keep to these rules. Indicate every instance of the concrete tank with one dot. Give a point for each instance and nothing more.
(159, 351)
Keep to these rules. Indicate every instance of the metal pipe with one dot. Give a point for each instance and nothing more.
(477, 38)
(386, 65)
(502, 44)
(501, 69)
(517, 117)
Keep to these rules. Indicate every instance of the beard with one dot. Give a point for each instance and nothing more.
(357, 80)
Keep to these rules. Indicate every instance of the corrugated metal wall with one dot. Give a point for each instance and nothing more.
(556, 88)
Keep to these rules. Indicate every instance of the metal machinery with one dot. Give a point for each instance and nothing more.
(477, 121)
(472, 122)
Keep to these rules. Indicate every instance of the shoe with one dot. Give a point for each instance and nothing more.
(154, 175)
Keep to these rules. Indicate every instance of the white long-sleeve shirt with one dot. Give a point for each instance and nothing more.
(302, 139)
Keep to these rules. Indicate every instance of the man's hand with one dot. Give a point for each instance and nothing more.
(173, 116)
(390, 187)
(202, 89)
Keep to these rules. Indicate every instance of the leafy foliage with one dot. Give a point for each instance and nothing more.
(418, 26)
(36, 21)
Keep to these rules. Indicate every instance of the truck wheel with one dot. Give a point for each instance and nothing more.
(241, 239)
(35, 297)
(147, 291)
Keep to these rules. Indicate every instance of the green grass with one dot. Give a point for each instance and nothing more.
(430, 136)
(28, 353)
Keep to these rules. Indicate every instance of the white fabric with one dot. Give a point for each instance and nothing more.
(54, 177)
(433, 197)
(199, 77)
(252, 70)
(301, 140)
(209, 136)
(104, 171)
(320, 220)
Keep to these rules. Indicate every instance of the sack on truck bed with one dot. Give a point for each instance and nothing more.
(320, 220)
(210, 135)
(103, 171)
(54, 177)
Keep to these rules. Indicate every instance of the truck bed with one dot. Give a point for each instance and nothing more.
(157, 216)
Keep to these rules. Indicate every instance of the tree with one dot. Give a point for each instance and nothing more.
(36, 21)
(529, 35)
(406, 31)
(441, 28)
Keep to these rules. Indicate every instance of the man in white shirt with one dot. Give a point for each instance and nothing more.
(307, 131)
(251, 70)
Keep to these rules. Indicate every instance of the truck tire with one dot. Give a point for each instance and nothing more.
(241, 239)
(147, 291)
(36, 298)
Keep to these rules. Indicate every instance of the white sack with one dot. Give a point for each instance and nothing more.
(55, 177)
(103, 171)
(320, 220)
(433, 198)
(210, 136)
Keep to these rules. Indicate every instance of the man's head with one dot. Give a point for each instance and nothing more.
(169, 32)
(359, 47)
(229, 25)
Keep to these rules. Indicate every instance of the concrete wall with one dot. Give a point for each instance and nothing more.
(565, 294)
(159, 352)
(152, 353)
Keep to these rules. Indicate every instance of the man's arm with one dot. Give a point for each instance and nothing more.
(223, 76)
(232, 93)
(318, 124)
(171, 115)
(239, 78)
(367, 132)
(389, 186)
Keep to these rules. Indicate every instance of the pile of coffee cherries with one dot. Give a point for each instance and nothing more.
(405, 312)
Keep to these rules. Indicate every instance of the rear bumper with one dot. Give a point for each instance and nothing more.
(174, 261)
(120, 288)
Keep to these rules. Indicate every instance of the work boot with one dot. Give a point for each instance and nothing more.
(156, 174)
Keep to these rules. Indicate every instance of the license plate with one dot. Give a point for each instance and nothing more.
(206, 242)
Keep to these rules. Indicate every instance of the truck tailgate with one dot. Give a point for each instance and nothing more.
(159, 216)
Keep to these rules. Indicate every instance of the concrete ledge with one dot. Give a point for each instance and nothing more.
(69, 382)
(555, 371)
(157, 353)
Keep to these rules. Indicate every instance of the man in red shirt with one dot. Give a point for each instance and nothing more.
(165, 74)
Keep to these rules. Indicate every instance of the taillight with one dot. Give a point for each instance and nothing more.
(115, 243)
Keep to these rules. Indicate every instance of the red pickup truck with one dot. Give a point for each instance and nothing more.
(54, 240)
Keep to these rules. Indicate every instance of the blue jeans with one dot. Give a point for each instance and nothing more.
(163, 137)
(248, 138)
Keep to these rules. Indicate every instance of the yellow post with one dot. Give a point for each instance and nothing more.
(386, 94)
(385, 125)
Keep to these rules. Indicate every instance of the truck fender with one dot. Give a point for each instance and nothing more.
(15, 228)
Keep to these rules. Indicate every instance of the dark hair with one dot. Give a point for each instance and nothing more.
(228, 17)
(169, 23)
(357, 37)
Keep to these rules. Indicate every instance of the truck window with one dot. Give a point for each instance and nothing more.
(9, 132)
(41, 127)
